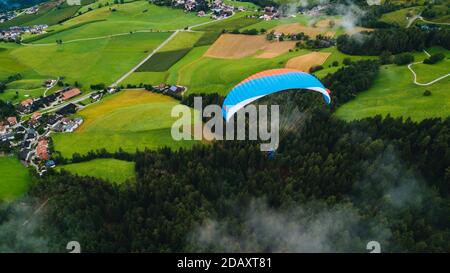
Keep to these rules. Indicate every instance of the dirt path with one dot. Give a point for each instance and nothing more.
(415, 75)
(161, 46)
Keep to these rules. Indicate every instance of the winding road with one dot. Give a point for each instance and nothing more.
(415, 75)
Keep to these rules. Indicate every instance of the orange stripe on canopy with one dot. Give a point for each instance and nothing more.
(270, 72)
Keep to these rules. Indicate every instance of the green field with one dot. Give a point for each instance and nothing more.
(15, 178)
(428, 72)
(131, 119)
(394, 93)
(113, 170)
(162, 61)
(134, 16)
(207, 75)
(49, 16)
(398, 17)
(88, 62)
(182, 40)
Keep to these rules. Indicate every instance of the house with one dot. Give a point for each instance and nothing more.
(111, 90)
(25, 154)
(36, 116)
(67, 110)
(31, 134)
(26, 144)
(7, 136)
(3, 128)
(71, 125)
(96, 96)
(59, 127)
(162, 87)
(25, 105)
(42, 149)
(50, 164)
(71, 93)
(34, 121)
(49, 83)
(53, 119)
(175, 89)
(48, 100)
(12, 121)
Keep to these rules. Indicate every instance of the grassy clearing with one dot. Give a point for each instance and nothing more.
(10, 65)
(138, 15)
(428, 72)
(398, 17)
(394, 93)
(15, 178)
(131, 119)
(18, 95)
(88, 62)
(162, 61)
(113, 170)
(337, 56)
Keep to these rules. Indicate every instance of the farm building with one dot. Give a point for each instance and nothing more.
(67, 110)
(71, 93)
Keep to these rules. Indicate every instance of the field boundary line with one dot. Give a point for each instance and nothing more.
(145, 59)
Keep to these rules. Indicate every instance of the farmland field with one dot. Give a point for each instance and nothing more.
(394, 93)
(15, 178)
(133, 16)
(131, 119)
(113, 170)
(88, 62)
(162, 61)
(235, 46)
(182, 40)
(49, 16)
(169, 76)
(305, 62)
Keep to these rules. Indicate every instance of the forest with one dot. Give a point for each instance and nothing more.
(394, 40)
(332, 186)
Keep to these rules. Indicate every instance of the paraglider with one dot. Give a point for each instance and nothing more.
(269, 82)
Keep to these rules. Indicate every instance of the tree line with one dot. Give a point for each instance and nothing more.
(391, 175)
(394, 40)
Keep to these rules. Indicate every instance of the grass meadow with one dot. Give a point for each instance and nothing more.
(131, 119)
(123, 18)
(15, 178)
(394, 93)
(88, 62)
(112, 170)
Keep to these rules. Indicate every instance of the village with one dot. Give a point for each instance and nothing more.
(14, 34)
(28, 133)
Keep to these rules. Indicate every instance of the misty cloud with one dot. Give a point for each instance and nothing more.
(19, 228)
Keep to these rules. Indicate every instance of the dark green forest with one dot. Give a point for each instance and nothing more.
(331, 186)
(394, 40)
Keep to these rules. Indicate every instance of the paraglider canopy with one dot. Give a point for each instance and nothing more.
(268, 82)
